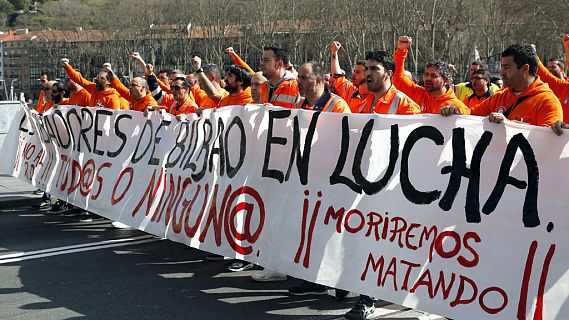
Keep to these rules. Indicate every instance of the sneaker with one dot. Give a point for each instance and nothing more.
(239, 265)
(59, 207)
(45, 205)
(120, 225)
(361, 311)
(267, 275)
(38, 192)
(307, 288)
(72, 212)
(341, 294)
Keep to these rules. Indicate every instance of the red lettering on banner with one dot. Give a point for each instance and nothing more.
(463, 292)
(114, 198)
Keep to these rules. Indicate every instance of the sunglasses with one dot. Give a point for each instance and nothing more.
(476, 78)
(175, 88)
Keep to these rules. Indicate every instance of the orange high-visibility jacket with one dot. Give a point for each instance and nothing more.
(206, 102)
(392, 102)
(540, 107)
(136, 105)
(108, 98)
(41, 101)
(559, 87)
(344, 87)
(427, 103)
(472, 100)
(188, 106)
(79, 98)
(328, 102)
(240, 99)
(239, 62)
(284, 92)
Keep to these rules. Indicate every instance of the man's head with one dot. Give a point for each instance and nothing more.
(256, 81)
(310, 79)
(379, 70)
(497, 81)
(47, 89)
(274, 61)
(58, 92)
(180, 89)
(477, 65)
(212, 72)
(237, 79)
(163, 76)
(102, 81)
(556, 67)
(437, 76)
(44, 78)
(359, 71)
(138, 88)
(173, 74)
(480, 80)
(519, 65)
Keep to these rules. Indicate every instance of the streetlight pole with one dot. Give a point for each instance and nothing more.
(12, 89)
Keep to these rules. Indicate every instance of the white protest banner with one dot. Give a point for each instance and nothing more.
(456, 216)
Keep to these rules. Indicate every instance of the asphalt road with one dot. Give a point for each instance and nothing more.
(55, 267)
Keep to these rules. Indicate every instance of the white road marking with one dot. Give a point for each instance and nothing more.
(21, 256)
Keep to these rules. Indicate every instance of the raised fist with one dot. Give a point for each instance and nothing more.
(404, 43)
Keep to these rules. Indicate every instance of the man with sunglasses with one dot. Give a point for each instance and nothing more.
(480, 80)
(78, 95)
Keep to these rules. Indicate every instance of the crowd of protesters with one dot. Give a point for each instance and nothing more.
(527, 92)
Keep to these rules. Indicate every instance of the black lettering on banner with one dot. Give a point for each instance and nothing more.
(274, 173)
(75, 139)
(204, 149)
(99, 133)
(337, 176)
(412, 194)
(458, 170)
(85, 113)
(368, 187)
(119, 134)
(155, 161)
(51, 130)
(59, 114)
(220, 151)
(44, 135)
(194, 145)
(21, 128)
(180, 144)
(232, 171)
(530, 216)
(147, 124)
(302, 159)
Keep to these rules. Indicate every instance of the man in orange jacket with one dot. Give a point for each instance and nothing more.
(558, 85)
(78, 95)
(238, 85)
(480, 80)
(102, 93)
(137, 94)
(210, 91)
(345, 88)
(281, 89)
(525, 98)
(437, 91)
(384, 98)
(316, 96)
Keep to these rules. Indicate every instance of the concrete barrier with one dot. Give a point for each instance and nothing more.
(7, 112)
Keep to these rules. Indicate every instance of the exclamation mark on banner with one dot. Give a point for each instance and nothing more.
(304, 233)
(538, 315)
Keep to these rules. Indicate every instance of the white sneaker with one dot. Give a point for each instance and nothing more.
(120, 225)
(267, 275)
